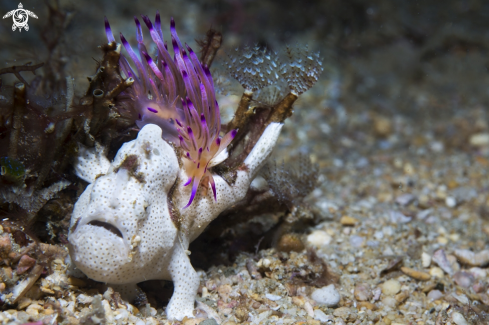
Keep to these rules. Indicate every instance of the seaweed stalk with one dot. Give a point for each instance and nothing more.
(19, 111)
(17, 69)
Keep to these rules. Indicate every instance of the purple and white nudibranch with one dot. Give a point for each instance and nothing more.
(178, 95)
(122, 231)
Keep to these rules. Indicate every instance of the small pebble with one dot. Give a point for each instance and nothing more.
(367, 305)
(5, 243)
(461, 298)
(437, 146)
(24, 302)
(418, 275)
(459, 319)
(479, 140)
(398, 217)
(391, 287)
(479, 286)
(442, 240)
(376, 294)
(308, 309)
(402, 296)
(382, 126)
(273, 297)
(319, 238)
(298, 301)
(321, 316)
(405, 199)
(290, 243)
(357, 241)
(453, 263)
(440, 258)
(327, 296)
(210, 321)
(33, 310)
(423, 214)
(454, 237)
(388, 251)
(473, 259)
(26, 262)
(379, 235)
(389, 301)
(342, 312)
(362, 292)
(84, 299)
(484, 298)
(475, 271)
(435, 295)
(388, 231)
(436, 272)
(425, 260)
(450, 202)
(348, 221)
(463, 279)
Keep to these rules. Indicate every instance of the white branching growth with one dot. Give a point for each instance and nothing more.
(271, 95)
(302, 70)
(29, 200)
(254, 68)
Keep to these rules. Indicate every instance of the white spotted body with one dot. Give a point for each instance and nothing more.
(122, 230)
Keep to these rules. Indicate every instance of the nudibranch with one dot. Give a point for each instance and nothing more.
(178, 95)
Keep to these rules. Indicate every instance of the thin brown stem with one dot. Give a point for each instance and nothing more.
(19, 109)
(209, 46)
(252, 124)
(242, 112)
(16, 69)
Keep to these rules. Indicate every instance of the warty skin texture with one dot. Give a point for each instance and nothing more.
(133, 200)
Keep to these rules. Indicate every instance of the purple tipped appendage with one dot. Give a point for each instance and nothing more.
(108, 31)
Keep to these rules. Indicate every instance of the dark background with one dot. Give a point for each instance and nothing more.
(410, 57)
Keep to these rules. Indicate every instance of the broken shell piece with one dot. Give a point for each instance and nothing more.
(418, 275)
(23, 286)
(23, 303)
(367, 305)
(362, 292)
(440, 258)
(463, 279)
(458, 318)
(25, 264)
(478, 272)
(474, 259)
(461, 298)
(405, 199)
